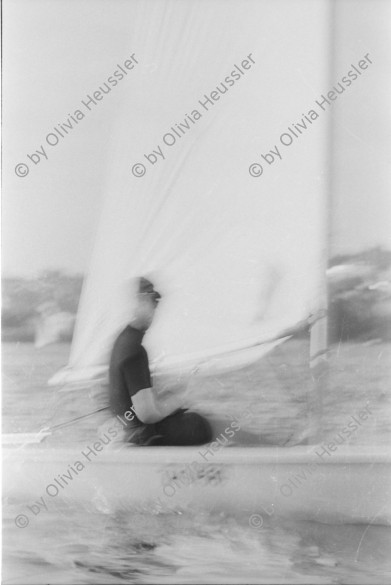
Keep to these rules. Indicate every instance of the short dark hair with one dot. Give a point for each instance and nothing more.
(145, 285)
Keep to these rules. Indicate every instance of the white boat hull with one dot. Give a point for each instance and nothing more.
(352, 485)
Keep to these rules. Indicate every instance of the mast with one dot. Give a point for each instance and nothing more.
(319, 328)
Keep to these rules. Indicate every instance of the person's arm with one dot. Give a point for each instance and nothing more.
(149, 410)
(147, 406)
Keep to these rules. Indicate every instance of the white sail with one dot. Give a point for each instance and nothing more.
(235, 257)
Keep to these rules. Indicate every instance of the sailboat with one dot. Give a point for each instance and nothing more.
(239, 256)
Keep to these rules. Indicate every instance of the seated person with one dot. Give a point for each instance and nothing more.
(154, 422)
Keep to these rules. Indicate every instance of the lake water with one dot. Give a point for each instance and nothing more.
(78, 545)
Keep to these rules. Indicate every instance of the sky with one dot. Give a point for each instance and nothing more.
(55, 52)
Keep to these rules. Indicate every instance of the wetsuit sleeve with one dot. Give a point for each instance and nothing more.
(135, 375)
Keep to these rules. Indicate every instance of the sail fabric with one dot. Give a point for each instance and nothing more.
(236, 258)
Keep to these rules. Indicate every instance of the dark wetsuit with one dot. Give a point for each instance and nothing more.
(129, 373)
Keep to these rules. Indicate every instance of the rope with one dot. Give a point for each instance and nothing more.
(193, 373)
(73, 420)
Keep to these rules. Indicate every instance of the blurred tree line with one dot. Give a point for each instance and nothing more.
(23, 297)
(359, 290)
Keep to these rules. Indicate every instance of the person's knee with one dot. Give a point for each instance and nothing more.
(201, 430)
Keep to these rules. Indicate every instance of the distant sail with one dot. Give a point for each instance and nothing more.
(52, 324)
(236, 258)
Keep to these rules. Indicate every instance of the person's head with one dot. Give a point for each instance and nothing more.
(147, 300)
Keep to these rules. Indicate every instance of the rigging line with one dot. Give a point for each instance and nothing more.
(284, 382)
(193, 373)
(73, 420)
(76, 419)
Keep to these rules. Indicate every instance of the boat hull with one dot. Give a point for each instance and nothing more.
(351, 485)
